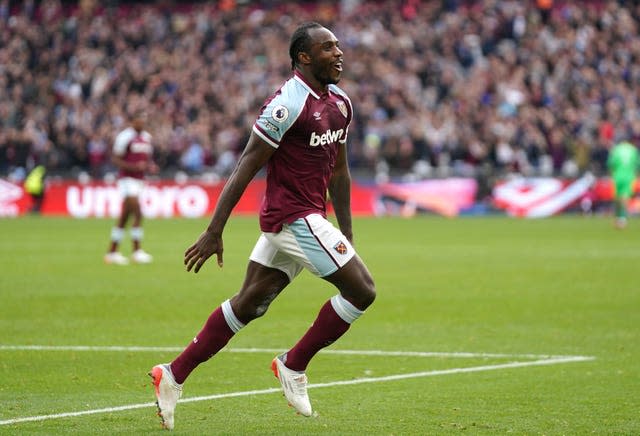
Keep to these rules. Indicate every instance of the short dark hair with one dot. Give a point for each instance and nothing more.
(301, 41)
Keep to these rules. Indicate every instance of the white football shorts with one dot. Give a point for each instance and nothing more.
(311, 242)
(130, 187)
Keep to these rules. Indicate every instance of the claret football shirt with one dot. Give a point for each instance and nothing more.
(306, 128)
(133, 147)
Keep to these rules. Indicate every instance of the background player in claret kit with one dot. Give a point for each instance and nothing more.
(133, 155)
(300, 135)
(623, 163)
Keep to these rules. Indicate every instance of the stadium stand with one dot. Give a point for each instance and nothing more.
(440, 87)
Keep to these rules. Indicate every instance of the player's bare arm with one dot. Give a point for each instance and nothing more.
(255, 155)
(340, 192)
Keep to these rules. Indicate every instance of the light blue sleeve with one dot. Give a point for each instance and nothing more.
(280, 113)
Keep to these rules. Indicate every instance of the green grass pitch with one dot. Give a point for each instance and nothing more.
(544, 316)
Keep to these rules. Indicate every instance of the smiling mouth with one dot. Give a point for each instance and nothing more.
(338, 66)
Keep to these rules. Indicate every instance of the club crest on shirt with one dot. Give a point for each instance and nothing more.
(343, 108)
(340, 247)
(280, 113)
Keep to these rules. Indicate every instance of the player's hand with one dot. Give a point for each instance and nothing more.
(206, 245)
(153, 168)
(140, 166)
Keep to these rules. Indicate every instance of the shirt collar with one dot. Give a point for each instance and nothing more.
(298, 76)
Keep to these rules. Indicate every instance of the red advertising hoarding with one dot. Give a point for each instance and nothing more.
(538, 197)
(522, 197)
(167, 199)
(164, 199)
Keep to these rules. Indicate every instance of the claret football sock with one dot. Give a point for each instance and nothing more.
(332, 322)
(216, 333)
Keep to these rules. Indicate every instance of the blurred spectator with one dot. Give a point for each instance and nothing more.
(449, 88)
(192, 158)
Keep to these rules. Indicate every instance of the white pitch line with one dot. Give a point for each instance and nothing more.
(279, 350)
(394, 377)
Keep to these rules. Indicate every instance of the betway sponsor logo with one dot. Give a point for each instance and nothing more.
(168, 201)
(329, 137)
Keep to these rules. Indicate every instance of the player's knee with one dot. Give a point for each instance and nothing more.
(365, 295)
(250, 308)
(261, 308)
(369, 293)
(249, 311)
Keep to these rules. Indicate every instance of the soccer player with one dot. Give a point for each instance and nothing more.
(301, 136)
(133, 155)
(623, 163)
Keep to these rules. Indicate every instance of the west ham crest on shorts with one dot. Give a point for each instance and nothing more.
(340, 247)
(343, 108)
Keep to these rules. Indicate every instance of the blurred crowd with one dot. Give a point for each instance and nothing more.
(440, 88)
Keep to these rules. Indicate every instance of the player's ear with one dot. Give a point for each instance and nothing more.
(304, 58)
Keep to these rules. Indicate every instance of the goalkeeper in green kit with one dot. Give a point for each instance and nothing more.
(623, 163)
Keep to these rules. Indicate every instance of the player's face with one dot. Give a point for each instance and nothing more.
(139, 121)
(326, 56)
